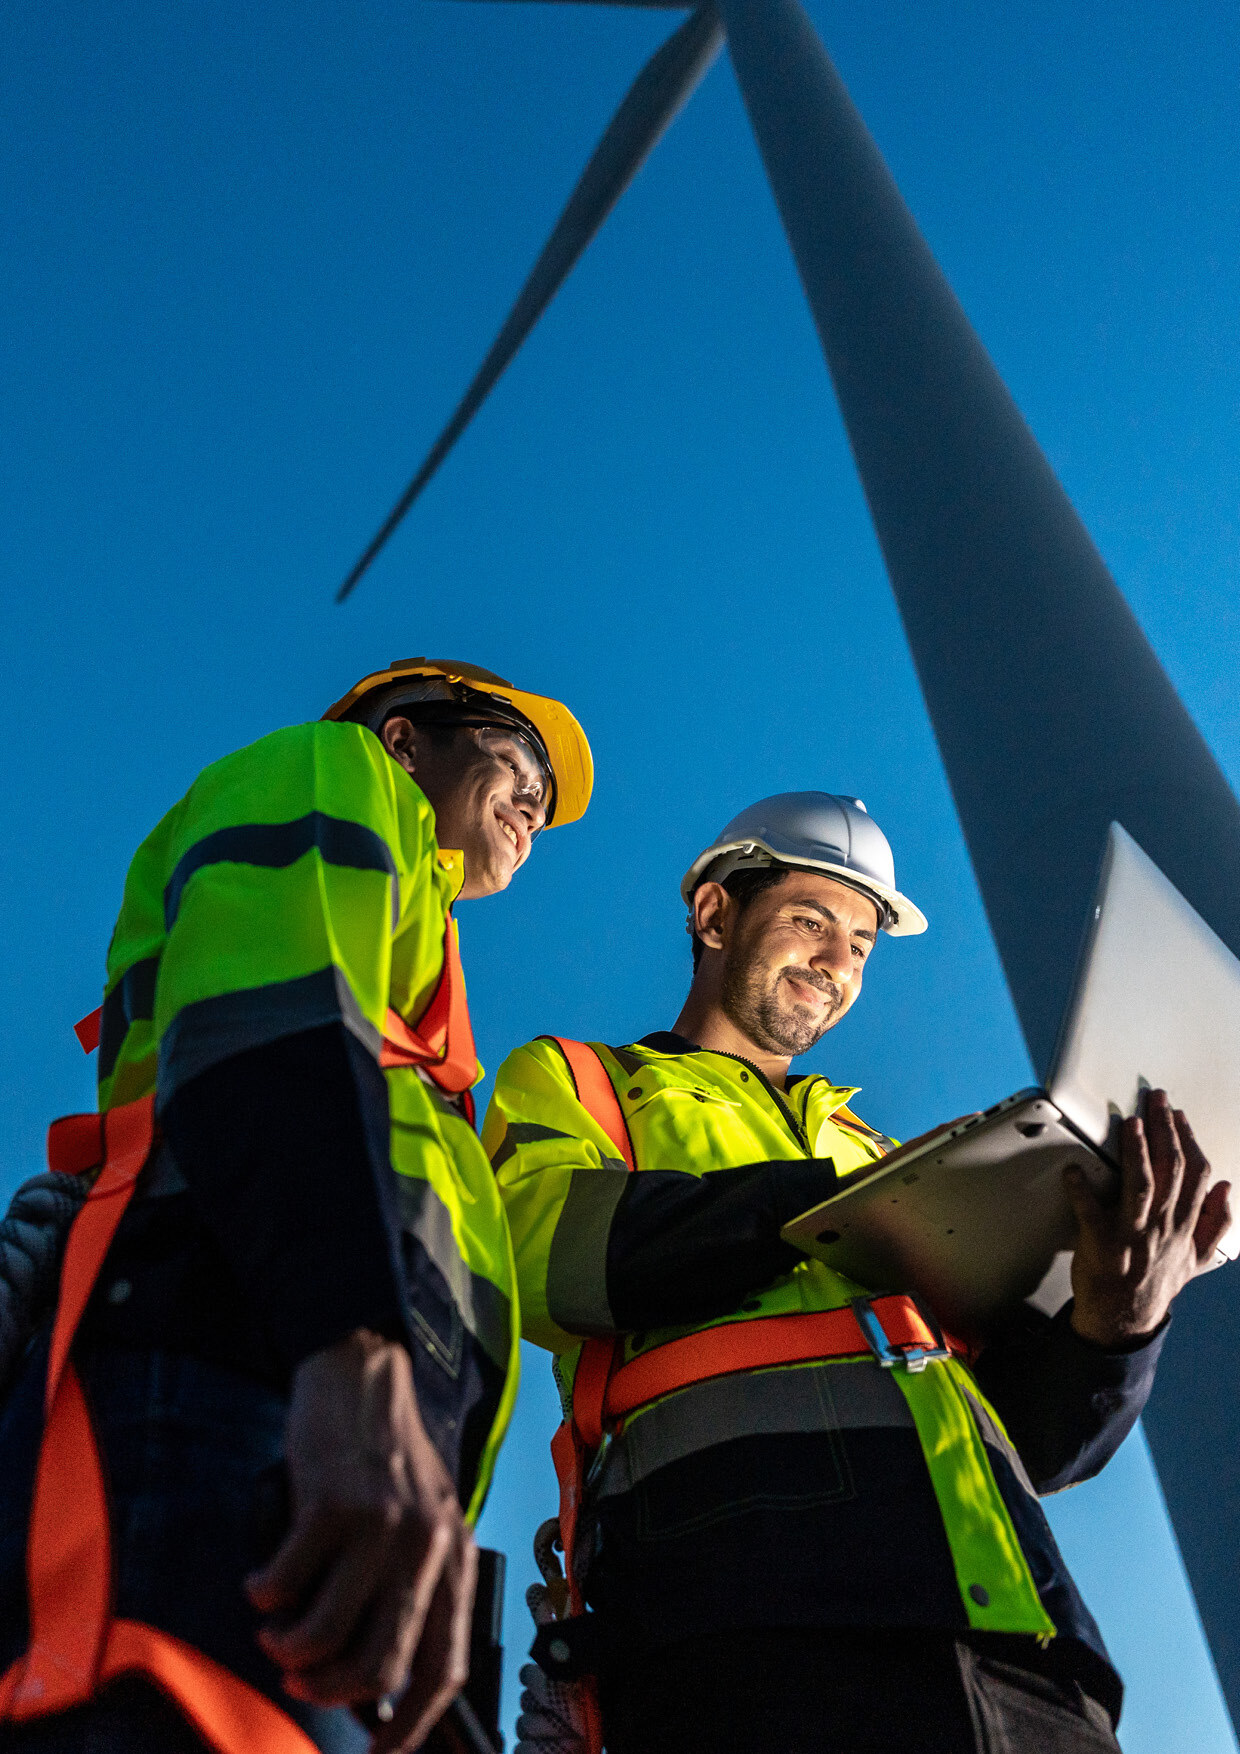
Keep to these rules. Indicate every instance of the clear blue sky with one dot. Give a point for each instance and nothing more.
(252, 255)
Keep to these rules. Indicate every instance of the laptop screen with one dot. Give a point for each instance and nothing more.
(1156, 1005)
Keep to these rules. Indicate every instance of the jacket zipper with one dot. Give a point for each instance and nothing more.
(794, 1126)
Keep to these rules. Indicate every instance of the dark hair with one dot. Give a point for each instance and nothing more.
(442, 709)
(440, 733)
(745, 886)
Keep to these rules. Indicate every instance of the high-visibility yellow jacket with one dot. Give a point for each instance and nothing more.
(293, 895)
(826, 1494)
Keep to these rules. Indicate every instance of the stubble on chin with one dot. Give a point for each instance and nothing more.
(770, 1020)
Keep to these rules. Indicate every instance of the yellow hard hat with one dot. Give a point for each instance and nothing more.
(562, 739)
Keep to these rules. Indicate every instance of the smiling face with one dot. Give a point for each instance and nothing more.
(487, 790)
(792, 958)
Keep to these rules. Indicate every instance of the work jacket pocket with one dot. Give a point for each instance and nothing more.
(669, 1095)
(746, 1478)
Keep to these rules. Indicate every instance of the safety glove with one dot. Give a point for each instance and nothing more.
(32, 1246)
(553, 1716)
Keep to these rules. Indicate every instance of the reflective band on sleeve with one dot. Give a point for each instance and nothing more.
(132, 1000)
(278, 844)
(577, 1262)
(484, 1309)
(211, 1030)
(998, 1439)
(518, 1133)
(766, 1403)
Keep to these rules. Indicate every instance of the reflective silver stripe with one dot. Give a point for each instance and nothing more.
(577, 1262)
(277, 844)
(211, 1030)
(518, 1133)
(997, 1439)
(818, 1397)
(484, 1309)
(132, 1000)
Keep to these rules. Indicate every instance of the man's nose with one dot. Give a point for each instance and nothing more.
(833, 956)
(533, 811)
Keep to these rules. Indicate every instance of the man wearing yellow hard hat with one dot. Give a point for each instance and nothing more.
(240, 1458)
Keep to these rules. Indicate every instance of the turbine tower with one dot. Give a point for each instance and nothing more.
(1053, 715)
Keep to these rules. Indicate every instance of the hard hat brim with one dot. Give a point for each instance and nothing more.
(565, 741)
(906, 920)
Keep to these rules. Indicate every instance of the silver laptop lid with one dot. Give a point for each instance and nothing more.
(1156, 1004)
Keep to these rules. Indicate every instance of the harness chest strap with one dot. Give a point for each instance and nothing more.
(76, 1642)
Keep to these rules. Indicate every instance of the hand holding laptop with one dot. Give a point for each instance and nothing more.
(976, 1216)
(1135, 1254)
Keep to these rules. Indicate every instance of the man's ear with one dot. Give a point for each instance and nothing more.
(711, 904)
(400, 739)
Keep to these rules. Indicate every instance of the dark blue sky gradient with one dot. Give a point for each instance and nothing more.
(253, 255)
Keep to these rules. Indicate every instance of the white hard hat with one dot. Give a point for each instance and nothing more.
(820, 832)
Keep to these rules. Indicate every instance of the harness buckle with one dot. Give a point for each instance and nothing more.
(888, 1352)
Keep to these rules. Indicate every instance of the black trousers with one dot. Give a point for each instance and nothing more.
(811, 1692)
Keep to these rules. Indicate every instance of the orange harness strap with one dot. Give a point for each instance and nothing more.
(596, 1094)
(757, 1345)
(598, 1357)
(579, 1436)
(442, 1040)
(76, 1643)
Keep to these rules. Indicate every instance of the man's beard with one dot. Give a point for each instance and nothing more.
(774, 1022)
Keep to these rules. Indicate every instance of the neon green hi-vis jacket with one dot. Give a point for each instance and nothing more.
(823, 1494)
(269, 921)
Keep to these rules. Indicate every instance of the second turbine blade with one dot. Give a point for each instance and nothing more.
(652, 103)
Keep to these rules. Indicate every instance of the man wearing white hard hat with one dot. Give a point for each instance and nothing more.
(772, 1542)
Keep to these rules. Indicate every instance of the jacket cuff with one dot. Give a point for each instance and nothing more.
(1130, 1367)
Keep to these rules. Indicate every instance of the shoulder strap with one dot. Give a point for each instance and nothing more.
(596, 1094)
(442, 1040)
(599, 1357)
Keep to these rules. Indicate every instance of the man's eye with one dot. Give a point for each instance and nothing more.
(527, 786)
(861, 950)
(810, 924)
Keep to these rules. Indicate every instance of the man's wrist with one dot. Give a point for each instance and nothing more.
(1112, 1333)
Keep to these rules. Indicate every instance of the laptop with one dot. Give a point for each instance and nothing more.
(975, 1217)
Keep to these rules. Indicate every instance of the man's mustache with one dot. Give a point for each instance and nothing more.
(809, 977)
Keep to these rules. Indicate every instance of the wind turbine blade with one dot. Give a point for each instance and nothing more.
(661, 5)
(656, 95)
(1052, 713)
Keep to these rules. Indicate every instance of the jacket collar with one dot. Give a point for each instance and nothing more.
(666, 1041)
